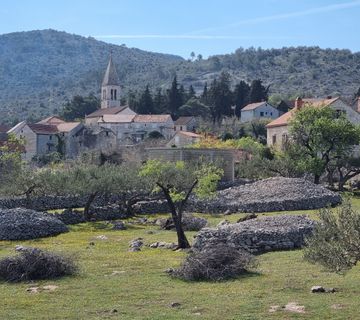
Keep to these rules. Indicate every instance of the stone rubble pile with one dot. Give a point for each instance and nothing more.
(273, 194)
(24, 224)
(282, 232)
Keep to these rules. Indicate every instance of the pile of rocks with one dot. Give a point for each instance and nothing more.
(23, 224)
(273, 194)
(189, 223)
(256, 236)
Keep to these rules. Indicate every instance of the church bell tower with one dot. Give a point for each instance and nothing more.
(110, 88)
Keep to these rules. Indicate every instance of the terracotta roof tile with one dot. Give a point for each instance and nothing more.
(67, 126)
(253, 106)
(182, 121)
(116, 118)
(285, 118)
(101, 112)
(51, 120)
(43, 128)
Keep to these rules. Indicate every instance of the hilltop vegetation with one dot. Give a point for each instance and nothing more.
(41, 70)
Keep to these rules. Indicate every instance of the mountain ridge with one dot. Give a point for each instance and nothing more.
(41, 69)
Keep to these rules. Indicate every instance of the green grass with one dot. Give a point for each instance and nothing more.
(141, 289)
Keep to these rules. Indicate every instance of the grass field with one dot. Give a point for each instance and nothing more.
(135, 285)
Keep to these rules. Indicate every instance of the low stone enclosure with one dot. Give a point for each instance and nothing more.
(24, 224)
(283, 232)
(273, 194)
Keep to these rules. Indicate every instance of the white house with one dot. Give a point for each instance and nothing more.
(258, 110)
(278, 130)
(183, 139)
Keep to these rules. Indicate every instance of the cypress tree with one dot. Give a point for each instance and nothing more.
(258, 92)
(146, 105)
(241, 96)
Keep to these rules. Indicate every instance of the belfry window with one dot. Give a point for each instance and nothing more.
(115, 94)
(112, 94)
(104, 94)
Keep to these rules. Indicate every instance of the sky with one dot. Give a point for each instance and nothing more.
(205, 27)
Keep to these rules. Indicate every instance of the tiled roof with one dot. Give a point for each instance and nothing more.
(111, 78)
(116, 118)
(101, 112)
(285, 118)
(67, 126)
(145, 118)
(182, 121)
(253, 106)
(51, 120)
(43, 128)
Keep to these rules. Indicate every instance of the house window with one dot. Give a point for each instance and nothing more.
(180, 128)
(107, 133)
(174, 128)
(339, 113)
(261, 114)
(271, 113)
(50, 137)
(274, 139)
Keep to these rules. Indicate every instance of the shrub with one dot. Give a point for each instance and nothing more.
(215, 263)
(33, 264)
(335, 243)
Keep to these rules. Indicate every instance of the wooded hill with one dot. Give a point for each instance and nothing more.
(41, 70)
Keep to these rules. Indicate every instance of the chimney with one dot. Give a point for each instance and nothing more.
(298, 103)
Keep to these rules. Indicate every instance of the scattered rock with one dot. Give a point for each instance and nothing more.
(101, 237)
(282, 232)
(338, 306)
(165, 245)
(320, 289)
(175, 304)
(116, 273)
(274, 309)
(150, 232)
(119, 225)
(136, 244)
(316, 289)
(33, 290)
(114, 311)
(294, 307)
(24, 224)
(50, 287)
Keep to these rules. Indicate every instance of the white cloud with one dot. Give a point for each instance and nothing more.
(183, 36)
(328, 8)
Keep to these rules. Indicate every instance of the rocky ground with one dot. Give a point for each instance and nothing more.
(273, 194)
(23, 224)
(260, 235)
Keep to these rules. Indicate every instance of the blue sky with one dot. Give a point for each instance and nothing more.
(203, 26)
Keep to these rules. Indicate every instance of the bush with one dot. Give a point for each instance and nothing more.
(215, 263)
(34, 264)
(335, 243)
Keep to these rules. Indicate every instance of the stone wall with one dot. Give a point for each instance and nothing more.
(282, 232)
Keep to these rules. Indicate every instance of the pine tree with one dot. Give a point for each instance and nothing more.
(146, 105)
(241, 96)
(258, 92)
(191, 93)
(175, 100)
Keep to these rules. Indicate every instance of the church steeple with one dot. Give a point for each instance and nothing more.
(110, 88)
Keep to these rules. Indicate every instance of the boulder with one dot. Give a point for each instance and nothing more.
(24, 224)
(282, 232)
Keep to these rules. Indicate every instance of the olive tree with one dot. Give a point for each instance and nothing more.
(177, 181)
(335, 243)
(322, 136)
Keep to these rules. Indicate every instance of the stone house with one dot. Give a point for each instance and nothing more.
(183, 139)
(39, 139)
(257, 111)
(143, 124)
(185, 124)
(278, 130)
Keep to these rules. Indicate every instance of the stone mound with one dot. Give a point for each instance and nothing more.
(273, 194)
(282, 232)
(24, 224)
